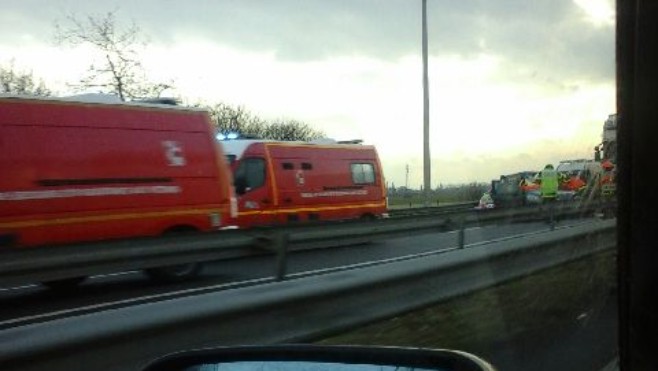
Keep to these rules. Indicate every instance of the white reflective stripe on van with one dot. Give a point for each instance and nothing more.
(87, 192)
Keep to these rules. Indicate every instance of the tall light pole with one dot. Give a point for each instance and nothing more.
(427, 175)
(406, 179)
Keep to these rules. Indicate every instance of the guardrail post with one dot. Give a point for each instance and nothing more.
(551, 215)
(460, 234)
(276, 242)
(281, 248)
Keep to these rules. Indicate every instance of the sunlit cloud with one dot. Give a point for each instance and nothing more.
(598, 12)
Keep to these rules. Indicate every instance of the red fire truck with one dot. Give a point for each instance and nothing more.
(78, 171)
(282, 182)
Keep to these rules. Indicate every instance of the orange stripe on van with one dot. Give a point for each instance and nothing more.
(306, 209)
(270, 168)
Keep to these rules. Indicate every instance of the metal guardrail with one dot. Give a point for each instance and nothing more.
(431, 210)
(294, 310)
(60, 262)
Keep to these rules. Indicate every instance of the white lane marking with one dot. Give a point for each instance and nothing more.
(16, 288)
(100, 276)
(119, 274)
(465, 229)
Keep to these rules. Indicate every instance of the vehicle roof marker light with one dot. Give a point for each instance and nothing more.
(227, 136)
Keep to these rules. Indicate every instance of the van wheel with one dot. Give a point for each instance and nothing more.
(174, 273)
(64, 284)
(178, 272)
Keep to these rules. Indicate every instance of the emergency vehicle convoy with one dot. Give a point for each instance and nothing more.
(282, 182)
(78, 171)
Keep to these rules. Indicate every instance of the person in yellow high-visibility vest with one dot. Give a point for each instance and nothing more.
(549, 183)
(548, 190)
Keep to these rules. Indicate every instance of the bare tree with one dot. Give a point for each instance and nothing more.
(230, 119)
(13, 81)
(292, 130)
(118, 68)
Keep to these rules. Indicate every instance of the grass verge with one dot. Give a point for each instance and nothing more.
(545, 301)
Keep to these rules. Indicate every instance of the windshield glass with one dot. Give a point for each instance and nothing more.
(426, 173)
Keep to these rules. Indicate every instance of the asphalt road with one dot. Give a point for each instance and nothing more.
(34, 300)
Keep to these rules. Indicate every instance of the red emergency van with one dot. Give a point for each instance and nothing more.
(77, 171)
(281, 182)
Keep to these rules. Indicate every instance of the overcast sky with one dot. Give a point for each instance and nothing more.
(514, 84)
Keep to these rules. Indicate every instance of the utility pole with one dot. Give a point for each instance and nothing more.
(427, 176)
(406, 180)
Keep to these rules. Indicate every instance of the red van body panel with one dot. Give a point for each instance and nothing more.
(307, 182)
(74, 171)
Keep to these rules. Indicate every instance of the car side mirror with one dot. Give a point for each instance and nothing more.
(320, 358)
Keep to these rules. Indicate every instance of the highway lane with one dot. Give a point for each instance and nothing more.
(34, 300)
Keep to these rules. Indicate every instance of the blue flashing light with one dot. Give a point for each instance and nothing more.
(227, 136)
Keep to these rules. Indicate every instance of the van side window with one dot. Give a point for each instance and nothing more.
(363, 173)
(250, 174)
(288, 166)
(307, 166)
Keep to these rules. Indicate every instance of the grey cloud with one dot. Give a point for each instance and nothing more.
(547, 37)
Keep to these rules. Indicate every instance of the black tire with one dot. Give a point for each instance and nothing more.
(174, 273)
(64, 284)
(178, 272)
